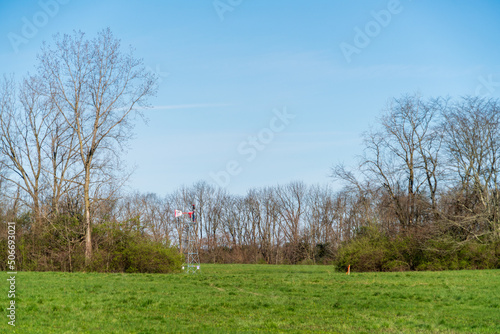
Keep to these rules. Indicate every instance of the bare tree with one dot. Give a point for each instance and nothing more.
(402, 156)
(96, 88)
(320, 217)
(472, 128)
(202, 191)
(62, 172)
(291, 207)
(24, 130)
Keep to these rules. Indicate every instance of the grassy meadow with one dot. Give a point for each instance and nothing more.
(256, 299)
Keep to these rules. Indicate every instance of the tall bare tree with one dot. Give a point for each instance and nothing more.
(402, 156)
(472, 128)
(97, 88)
(291, 207)
(63, 172)
(25, 118)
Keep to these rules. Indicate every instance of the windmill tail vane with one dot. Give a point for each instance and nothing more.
(178, 213)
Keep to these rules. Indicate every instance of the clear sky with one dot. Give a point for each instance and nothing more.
(259, 92)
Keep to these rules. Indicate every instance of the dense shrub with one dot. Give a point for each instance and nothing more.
(446, 254)
(133, 252)
(149, 257)
(371, 250)
(366, 252)
(59, 246)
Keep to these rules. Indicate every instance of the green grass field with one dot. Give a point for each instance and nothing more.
(254, 299)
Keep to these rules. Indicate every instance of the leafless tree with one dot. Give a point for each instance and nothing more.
(24, 130)
(472, 128)
(320, 216)
(291, 207)
(62, 172)
(402, 156)
(96, 88)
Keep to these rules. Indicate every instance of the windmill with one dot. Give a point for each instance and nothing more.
(188, 241)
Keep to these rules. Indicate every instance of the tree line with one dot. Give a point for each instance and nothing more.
(423, 195)
(429, 176)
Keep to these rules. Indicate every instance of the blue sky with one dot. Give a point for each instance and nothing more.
(228, 66)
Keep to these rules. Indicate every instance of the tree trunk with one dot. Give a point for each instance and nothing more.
(88, 225)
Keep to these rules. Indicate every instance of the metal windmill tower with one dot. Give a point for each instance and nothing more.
(192, 259)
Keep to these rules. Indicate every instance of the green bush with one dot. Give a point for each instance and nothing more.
(371, 250)
(366, 252)
(130, 251)
(446, 255)
(149, 257)
(396, 265)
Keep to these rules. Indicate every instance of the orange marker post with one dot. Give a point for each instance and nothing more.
(348, 270)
